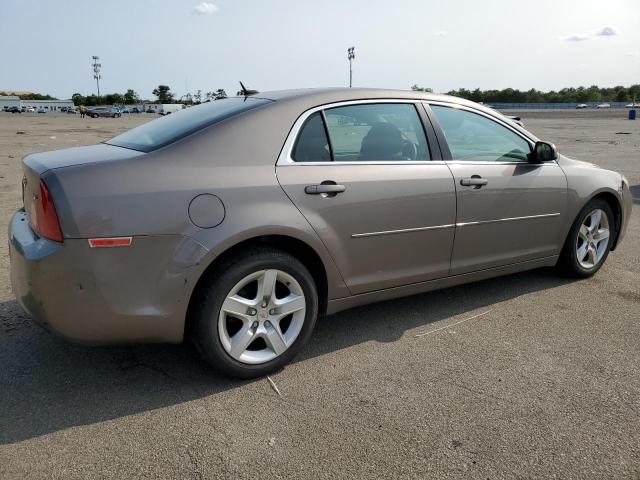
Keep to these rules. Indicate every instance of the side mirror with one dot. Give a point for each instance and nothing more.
(543, 152)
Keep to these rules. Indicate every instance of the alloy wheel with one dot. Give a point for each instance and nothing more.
(261, 316)
(593, 239)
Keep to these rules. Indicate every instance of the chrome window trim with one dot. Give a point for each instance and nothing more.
(499, 121)
(510, 219)
(292, 163)
(285, 158)
(485, 162)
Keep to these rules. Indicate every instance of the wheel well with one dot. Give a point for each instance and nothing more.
(293, 246)
(613, 202)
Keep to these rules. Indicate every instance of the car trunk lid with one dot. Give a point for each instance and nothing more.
(36, 168)
(69, 157)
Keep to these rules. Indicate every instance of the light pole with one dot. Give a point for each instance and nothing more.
(350, 55)
(96, 73)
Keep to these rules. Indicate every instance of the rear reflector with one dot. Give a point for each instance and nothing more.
(110, 242)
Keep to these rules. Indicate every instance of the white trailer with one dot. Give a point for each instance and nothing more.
(167, 108)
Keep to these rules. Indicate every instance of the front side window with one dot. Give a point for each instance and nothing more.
(473, 137)
(361, 133)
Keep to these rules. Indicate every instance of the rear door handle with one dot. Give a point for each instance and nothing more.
(476, 181)
(330, 188)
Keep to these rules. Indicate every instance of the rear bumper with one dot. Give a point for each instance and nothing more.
(109, 295)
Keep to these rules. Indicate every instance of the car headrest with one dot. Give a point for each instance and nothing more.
(382, 142)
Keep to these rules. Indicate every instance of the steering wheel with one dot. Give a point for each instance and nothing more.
(409, 150)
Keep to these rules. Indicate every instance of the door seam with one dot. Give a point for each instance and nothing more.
(335, 264)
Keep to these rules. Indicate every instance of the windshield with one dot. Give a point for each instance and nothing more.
(163, 131)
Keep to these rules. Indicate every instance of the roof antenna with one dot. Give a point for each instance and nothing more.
(245, 92)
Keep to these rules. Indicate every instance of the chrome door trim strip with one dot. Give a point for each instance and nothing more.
(451, 225)
(484, 222)
(404, 230)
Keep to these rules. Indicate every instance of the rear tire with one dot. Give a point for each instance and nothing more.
(242, 327)
(589, 240)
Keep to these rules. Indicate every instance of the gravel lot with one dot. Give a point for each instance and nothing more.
(530, 375)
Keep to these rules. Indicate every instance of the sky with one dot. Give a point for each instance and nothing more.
(47, 45)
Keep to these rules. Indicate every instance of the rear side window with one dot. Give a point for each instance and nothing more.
(376, 132)
(312, 144)
(163, 131)
(473, 137)
(361, 133)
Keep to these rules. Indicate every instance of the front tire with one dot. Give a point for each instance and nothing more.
(589, 240)
(253, 315)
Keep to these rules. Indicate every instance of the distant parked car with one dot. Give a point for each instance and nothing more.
(136, 110)
(71, 110)
(582, 105)
(632, 105)
(125, 110)
(96, 112)
(42, 110)
(30, 110)
(516, 120)
(14, 110)
(604, 105)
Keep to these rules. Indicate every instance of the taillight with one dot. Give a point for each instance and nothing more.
(43, 216)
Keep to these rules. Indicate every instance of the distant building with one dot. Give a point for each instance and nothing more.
(9, 101)
(51, 105)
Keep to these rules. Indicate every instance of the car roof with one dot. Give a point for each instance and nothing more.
(302, 99)
(328, 95)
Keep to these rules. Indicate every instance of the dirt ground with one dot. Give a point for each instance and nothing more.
(530, 375)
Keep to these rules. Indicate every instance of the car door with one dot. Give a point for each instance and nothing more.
(509, 210)
(374, 189)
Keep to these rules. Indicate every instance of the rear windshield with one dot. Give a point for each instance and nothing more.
(163, 131)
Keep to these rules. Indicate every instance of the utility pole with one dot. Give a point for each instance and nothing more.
(351, 55)
(96, 73)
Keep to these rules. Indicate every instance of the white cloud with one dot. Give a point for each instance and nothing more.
(606, 31)
(205, 8)
(576, 37)
(441, 33)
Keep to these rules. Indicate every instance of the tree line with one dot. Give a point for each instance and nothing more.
(29, 96)
(162, 93)
(592, 94)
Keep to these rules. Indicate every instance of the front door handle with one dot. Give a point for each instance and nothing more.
(328, 188)
(476, 181)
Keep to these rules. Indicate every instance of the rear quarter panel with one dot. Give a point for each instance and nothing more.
(150, 194)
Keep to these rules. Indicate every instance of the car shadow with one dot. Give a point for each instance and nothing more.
(48, 384)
